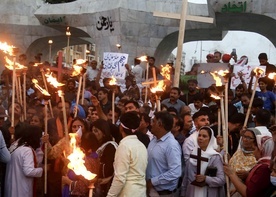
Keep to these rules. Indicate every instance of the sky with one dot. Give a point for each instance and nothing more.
(245, 43)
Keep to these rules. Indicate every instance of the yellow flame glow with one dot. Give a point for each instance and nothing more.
(76, 159)
(10, 64)
(143, 58)
(112, 81)
(165, 71)
(159, 88)
(271, 75)
(215, 96)
(43, 91)
(258, 71)
(223, 72)
(216, 78)
(53, 81)
(8, 49)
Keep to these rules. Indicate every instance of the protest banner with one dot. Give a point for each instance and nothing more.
(245, 70)
(114, 65)
(204, 77)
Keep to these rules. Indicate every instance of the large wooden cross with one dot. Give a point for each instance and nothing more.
(183, 18)
(198, 166)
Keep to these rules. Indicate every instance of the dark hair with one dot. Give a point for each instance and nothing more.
(172, 109)
(151, 58)
(192, 81)
(258, 102)
(177, 89)
(135, 103)
(262, 56)
(103, 125)
(237, 118)
(263, 79)
(200, 113)
(89, 141)
(82, 121)
(263, 117)
(116, 109)
(240, 86)
(165, 118)
(218, 53)
(130, 122)
(31, 136)
(104, 90)
(179, 122)
(198, 97)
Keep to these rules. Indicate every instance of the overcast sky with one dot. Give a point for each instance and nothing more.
(245, 43)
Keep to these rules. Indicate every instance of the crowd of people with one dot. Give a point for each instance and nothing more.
(134, 149)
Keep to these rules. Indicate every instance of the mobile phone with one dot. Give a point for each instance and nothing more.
(233, 53)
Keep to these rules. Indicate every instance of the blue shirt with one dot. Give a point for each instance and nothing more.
(268, 97)
(177, 105)
(164, 162)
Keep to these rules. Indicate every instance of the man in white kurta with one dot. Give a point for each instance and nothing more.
(20, 173)
(130, 163)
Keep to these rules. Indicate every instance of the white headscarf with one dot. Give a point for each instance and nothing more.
(208, 153)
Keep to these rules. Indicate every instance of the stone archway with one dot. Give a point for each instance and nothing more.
(260, 24)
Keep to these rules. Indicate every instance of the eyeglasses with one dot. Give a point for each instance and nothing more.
(248, 137)
(77, 126)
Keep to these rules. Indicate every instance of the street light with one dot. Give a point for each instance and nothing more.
(68, 34)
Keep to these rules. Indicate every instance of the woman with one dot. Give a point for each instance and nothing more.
(244, 160)
(21, 169)
(211, 177)
(131, 160)
(258, 179)
(106, 154)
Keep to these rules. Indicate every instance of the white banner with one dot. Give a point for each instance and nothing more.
(114, 65)
(245, 70)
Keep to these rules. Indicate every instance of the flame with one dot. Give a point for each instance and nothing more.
(37, 64)
(8, 49)
(53, 81)
(68, 33)
(43, 91)
(76, 160)
(10, 64)
(202, 72)
(165, 71)
(216, 78)
(271, 75)
(112, 81)
(222, 72)
(143, 58)
(77, 67)
(215, 96)
(60, 93)
(159, 88)
(258, 71)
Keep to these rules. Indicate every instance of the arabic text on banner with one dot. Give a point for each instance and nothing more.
(114, 65)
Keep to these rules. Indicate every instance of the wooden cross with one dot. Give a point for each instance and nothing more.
(183, 18)
(199, 159)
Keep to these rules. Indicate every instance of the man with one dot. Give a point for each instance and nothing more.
(104, 101)
(270, 68)
(92, 71)
(130, 161)
(262, 121)
(187, 124)
(200, 119)
(164, 161)
(134, 107)
(137, 71)
(151, 61)
(217, 57)
(192, 92)
(197, 104)
(132, 90)
(174, 100)
(70, 92)
(177, 129)
(145, 125)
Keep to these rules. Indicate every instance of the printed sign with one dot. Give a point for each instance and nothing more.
(114, 65)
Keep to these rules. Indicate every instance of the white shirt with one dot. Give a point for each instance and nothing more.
(91, 73)
(130, 165)
(138, 72)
